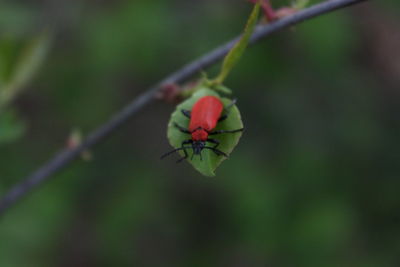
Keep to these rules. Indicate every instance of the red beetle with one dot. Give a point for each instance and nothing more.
(205, 115)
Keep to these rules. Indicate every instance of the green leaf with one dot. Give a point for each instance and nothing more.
(300, 4)
(228, 141)
(25, 66)
(238, 49)
(11, 128)
(222, 89)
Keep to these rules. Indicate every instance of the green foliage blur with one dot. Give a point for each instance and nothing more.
(313, 182)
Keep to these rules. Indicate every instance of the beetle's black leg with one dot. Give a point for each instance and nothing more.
(184, 157)
(216, 151)
(223, 117)
(182, 129)
(228, 110)
(186, 113)
(226, 131)
(216, 142)
(184, 150)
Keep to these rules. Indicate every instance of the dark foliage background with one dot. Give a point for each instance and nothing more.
(314, 181)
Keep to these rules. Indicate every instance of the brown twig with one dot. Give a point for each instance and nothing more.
(64, 157)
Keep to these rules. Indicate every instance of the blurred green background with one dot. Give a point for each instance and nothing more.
(313, 182)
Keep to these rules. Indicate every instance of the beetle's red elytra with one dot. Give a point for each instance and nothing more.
(204, 117)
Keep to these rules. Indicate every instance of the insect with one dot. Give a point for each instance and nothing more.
(204, 117)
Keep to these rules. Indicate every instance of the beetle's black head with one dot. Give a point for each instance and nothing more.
(198, 146)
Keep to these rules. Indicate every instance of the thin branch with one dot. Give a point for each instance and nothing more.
(64, 157)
